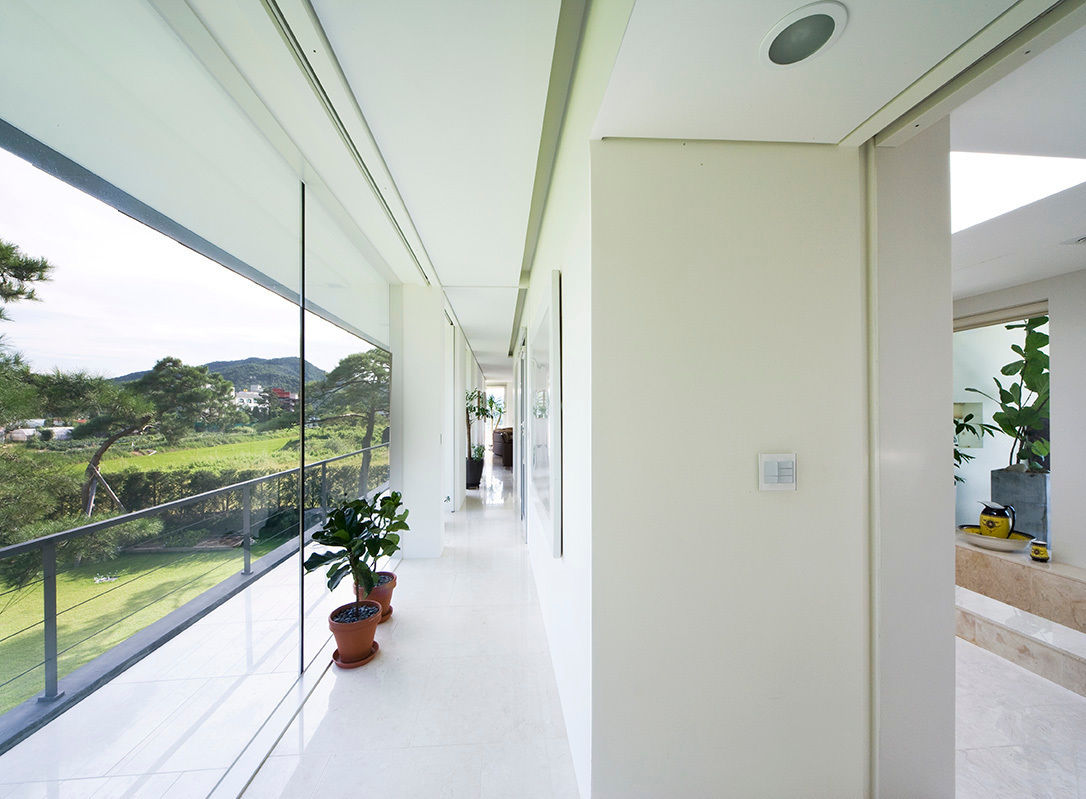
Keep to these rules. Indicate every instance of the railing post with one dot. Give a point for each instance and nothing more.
(324, 489)
(49, 592)
(247, 526)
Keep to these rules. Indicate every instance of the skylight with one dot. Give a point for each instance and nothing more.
(986, 185)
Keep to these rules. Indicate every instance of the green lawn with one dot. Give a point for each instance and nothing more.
(97, 616)
(92, 617)
(261, 451)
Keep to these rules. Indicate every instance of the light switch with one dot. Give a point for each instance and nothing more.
(777, 471)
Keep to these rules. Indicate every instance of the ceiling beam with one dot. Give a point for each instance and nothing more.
(567, 43)
(976, 48)
(1052, 26)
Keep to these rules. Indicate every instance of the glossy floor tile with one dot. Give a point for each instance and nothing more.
(460, 701)
(1018, 735)
(172, 724)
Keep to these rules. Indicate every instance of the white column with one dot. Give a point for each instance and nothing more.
(914, 510)
(460, 441)
(418, 363)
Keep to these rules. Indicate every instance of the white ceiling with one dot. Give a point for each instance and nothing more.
(689, 69)
(1021, 246)
(486, 315)
(454, 93)
(1036, 110)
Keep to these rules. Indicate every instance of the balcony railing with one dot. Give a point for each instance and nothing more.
(238, 512)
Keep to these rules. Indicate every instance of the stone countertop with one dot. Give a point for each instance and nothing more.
(1023, 558)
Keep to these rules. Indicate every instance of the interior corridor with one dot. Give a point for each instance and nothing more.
(461, 700)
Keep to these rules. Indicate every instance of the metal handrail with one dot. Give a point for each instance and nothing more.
(93, 527)
(48, 546)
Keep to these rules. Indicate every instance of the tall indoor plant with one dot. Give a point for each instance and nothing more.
(1023, 415)
(476, 407)
(358, 534)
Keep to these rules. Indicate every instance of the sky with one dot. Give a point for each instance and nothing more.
(122, 295)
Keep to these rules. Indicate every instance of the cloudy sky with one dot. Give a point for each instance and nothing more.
(123, 295)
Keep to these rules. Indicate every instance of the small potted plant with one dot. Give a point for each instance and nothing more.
(476, 407)
(1023, 415)
(359, 533)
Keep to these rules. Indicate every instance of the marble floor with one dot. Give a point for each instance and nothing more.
(461, 699)
(176, 722)
(1019, 736)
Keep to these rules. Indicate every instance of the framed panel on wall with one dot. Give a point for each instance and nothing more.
(545, 408)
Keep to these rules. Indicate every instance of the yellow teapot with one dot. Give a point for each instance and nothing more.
(996, 520)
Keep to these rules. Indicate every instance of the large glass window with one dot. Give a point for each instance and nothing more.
(173, 431)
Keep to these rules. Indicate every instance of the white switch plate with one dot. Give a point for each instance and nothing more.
(776, 471)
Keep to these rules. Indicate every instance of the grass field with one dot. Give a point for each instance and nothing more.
(93, 617)
(268, 451)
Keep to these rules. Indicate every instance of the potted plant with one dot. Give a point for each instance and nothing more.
(476, 407)
(1023, 415)
(358, 534)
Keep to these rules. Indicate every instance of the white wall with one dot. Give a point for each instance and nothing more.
(418, 382)
(979, 354)
(730, 626)
(913, 544)
(449, 438)
(461, 354)
(1066, 297)
(564, 584)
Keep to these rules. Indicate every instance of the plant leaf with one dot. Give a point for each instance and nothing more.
(337, 575)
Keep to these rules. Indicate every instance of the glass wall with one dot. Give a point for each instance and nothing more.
(173, 434)
(151, 443)
(174, 424)
(346, 434)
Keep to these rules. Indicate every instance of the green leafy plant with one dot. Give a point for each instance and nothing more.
(497, 410)
(476, 407)
(359, 533)
(1024, 403)
(967, 425)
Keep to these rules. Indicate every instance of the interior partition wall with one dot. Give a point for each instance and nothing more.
(231, 312)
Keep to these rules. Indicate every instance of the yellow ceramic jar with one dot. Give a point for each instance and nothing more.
(996, 520)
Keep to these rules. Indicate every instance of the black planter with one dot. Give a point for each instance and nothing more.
(475, 472)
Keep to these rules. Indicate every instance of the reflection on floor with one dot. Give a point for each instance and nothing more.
(1018, 735)
(173, 723)
(461, 699)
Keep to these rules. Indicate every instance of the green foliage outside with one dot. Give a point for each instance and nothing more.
(94, 617)
(149, 438)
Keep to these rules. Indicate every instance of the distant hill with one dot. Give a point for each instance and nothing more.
(267, 372)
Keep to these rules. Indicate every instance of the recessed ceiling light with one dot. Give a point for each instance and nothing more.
(803, 34)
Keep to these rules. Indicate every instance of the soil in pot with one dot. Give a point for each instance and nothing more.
(381, 593)
(354, 625)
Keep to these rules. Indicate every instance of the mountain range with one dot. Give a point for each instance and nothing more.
(267, 372)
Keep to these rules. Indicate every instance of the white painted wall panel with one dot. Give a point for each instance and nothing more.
(418, 380)
(914, 559)
(730, 627)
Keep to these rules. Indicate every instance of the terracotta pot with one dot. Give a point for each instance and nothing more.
(381, 594)
(354, 640)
